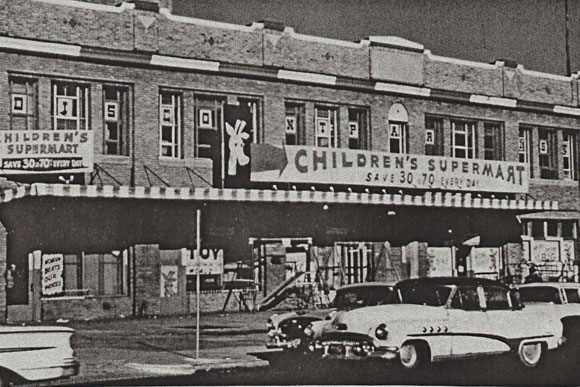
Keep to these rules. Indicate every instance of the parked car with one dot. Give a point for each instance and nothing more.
(36, 353)
(438, 319)
(562, 299)
(287, 330)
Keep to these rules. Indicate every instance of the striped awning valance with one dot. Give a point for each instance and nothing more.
(428, 199)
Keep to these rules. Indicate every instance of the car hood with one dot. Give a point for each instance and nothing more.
(374, 315)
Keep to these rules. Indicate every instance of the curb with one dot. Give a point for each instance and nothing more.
(157, 370)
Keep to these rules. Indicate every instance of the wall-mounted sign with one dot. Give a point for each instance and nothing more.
(19, 103)
(52, 269)
(111, 111)
(208, 261)
(206, 118)
(167, 115)
(353, 129)
(169, 281)
(322, 127)
(313, 165)
(543, 147)
(66, 107)
(429, 136)
(46, 151)
(290, 124)
(395, 131)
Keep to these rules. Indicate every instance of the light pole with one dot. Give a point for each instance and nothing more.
(197, 279)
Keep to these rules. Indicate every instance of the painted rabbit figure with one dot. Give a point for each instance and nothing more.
(236, 145)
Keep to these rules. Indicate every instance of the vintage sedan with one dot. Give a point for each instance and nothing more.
(438, 319)
(289, 330)
(562, 299)
(36, 353)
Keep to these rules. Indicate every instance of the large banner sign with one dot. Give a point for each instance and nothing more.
(312, 165)
(52, 271)
(46, 151)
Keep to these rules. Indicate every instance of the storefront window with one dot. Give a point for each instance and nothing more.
(357, 129)
(170, 125)
(326, 131)
(116, 120)
(96, 274)
(23, 104)
(548, 155)
(463, 139)
(70, 106)
(434, 136)
(294, 123)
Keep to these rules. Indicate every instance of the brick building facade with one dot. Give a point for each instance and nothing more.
(161, 97)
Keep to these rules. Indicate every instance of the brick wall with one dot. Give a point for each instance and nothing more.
(3, 265)
(86, 308)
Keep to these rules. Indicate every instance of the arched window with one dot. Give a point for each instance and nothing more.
(398, 129)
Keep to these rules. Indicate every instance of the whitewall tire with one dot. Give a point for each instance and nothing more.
(530, 354)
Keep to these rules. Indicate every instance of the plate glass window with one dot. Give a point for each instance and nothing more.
(170, 124)
(208, 127)
(493, 141)
(524, 147)
(463, 139)
(24, 104)
(434, 136)
(357, 129)
(548, 155)
(116, 120)
(70, 105)
(294, 123)
(569, 156)
(326, 132)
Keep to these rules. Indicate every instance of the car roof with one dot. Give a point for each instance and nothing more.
(550, 285)
(449, 281)
(366, 284)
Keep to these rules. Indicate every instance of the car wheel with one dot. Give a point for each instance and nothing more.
(530, 354)
(414, 355)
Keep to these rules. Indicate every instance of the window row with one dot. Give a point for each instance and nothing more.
(69, 110)
(554, 150)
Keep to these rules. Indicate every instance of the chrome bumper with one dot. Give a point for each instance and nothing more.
(277, 343)
(71, 368)
(347, 350)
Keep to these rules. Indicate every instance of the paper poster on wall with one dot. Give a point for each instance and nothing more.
(440, 261)
(545, 251)
(169, 281)
(567, 253)
(485, 260)
(52, 270)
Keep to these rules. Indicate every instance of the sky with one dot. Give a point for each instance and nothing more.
(531, 32)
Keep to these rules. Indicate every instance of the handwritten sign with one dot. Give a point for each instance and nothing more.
(52, 270)
(45, 151)
(316, 165)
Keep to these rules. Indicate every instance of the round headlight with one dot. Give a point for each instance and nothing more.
(381, 332)
(308, 331)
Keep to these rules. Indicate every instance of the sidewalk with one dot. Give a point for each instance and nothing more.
(146, 347)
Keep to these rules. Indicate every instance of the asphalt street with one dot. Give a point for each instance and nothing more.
(296, 369)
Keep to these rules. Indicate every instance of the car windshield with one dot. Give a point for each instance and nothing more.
(539, 294)
(424, 294)
(362, 296)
